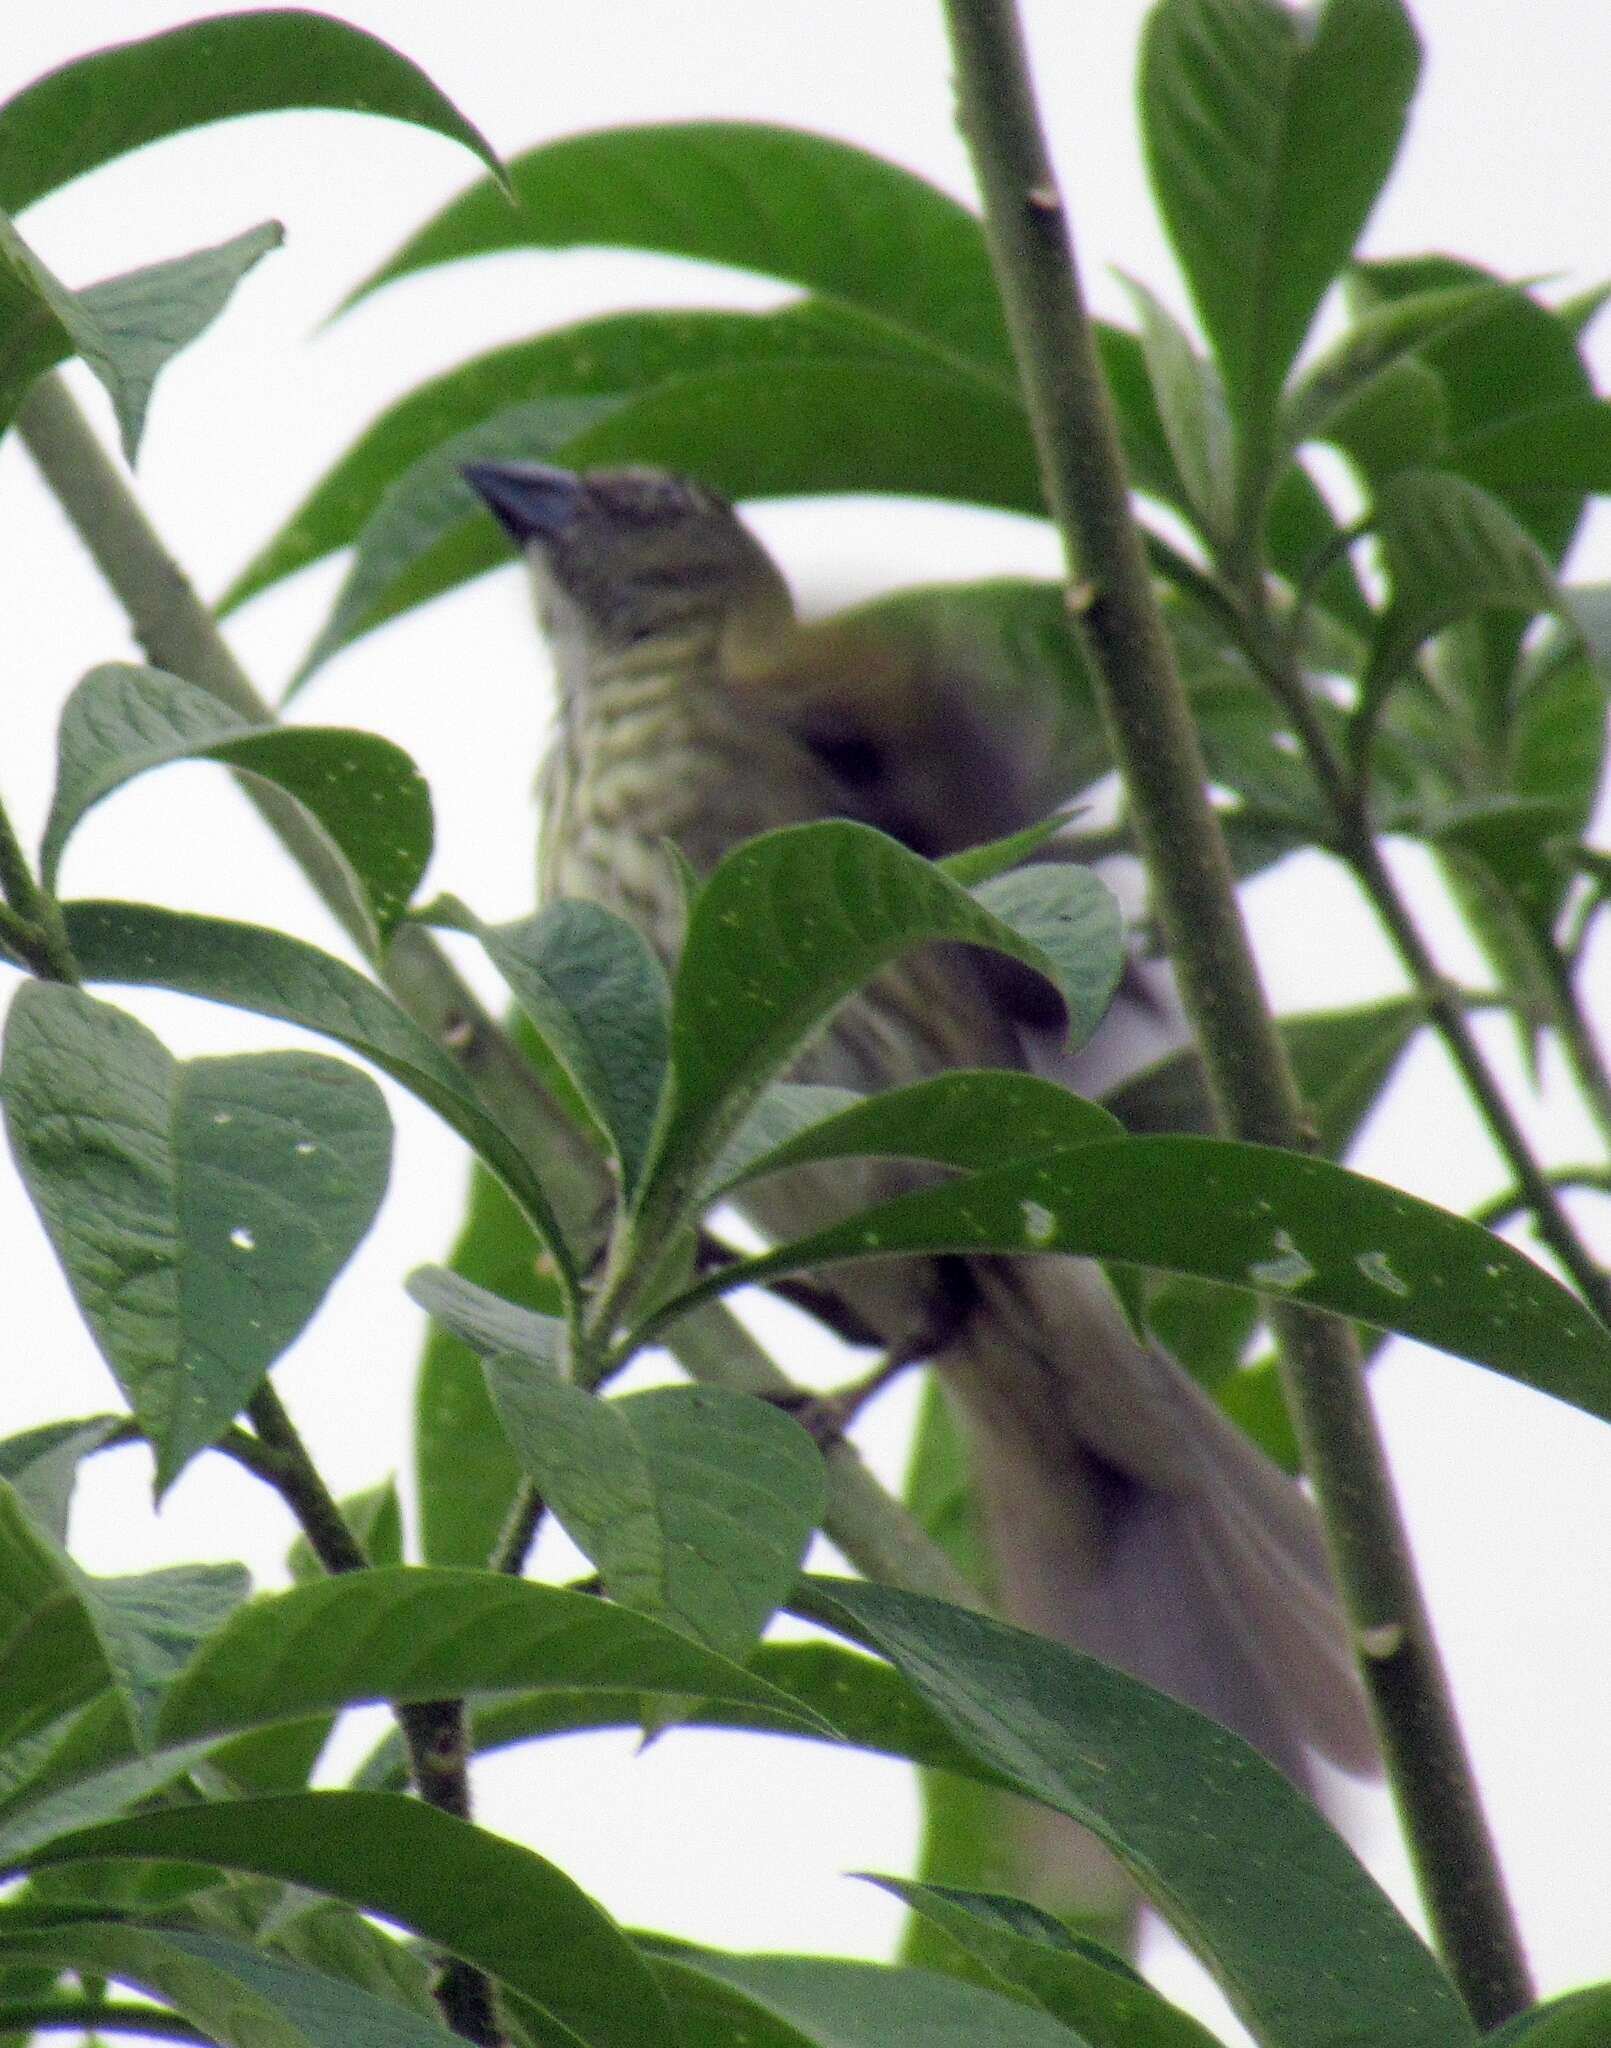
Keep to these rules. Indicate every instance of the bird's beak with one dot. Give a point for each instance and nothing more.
(529, 500)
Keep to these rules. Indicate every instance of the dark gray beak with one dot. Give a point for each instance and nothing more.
(529, 500)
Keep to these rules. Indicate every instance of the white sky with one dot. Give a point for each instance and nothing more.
(1507, 160)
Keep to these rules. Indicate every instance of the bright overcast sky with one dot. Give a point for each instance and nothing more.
(1507, 163)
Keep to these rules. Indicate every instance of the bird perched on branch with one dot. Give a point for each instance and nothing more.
(1125, 1514)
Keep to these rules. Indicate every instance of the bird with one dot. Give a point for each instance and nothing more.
(1124, 1513)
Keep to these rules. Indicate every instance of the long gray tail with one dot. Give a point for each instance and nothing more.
(1127, 1516)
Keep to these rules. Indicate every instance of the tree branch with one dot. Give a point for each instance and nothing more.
(1156, 747)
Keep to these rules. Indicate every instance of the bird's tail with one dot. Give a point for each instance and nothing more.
(1127, 1516)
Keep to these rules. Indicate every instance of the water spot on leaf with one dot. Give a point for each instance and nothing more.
(1289, 1267)
(1379, 1273)
(1040, 1225)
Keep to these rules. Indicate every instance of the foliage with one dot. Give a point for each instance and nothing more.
(1422, 669)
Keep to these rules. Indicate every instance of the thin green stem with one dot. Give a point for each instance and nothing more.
(1157, 750)
(33, 929)
(1583, 1052)
(1512, 1204)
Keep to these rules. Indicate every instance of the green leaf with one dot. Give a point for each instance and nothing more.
(1516, 359)
(597, 998)
(1509, 839)
(115, 100)
(200, 1209)
(276, 976)
(88, 1768)
(1399, 420)
(1281, 1225)
(1547, 459)
(1307, 1947)
(711, 2014)
(42, 1464)
(465, 1474)
(781, 1112)
(1579, 2020)
(1557, 729)
(979, 864)
(1341, 1060)
(237, 1995)
(1302, 529)
(1381, 338)
(1268, 137)
(605, 358)
(318, 1934)
(67, 1637)
(1248, 745)
(51, 1657)
(733, 1029)
(1191, 405)
(827, 1694)
(125, 328)
(148, 1627)
(277, 1759)
(966, 1120)
(410, 1632)
(695, 1504)
(475, 1894)
(867, 2005)
(364, 793)
(397, 1633)
(873, 423)
(486, 1322)
(818, 213)
(430, 531)
(1451, 551)
(1255, 1400)
(1029, 1955)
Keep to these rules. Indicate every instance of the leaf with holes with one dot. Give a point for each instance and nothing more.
(1270, 1222)
(275, 975)
(200, 1209)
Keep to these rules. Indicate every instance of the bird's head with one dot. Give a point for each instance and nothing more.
(629, 559)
